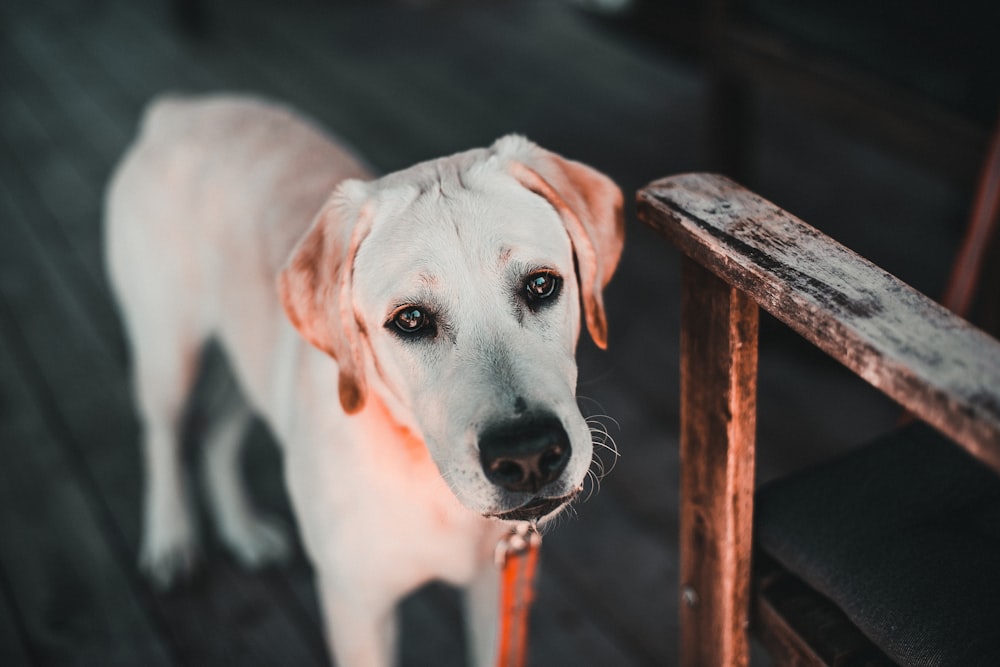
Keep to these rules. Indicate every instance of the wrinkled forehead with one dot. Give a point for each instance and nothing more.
(474, 228)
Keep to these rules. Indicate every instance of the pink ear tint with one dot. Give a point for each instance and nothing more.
(351, 397)
(316, 290)
(582, 228)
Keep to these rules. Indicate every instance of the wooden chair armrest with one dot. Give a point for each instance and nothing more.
(932, 362)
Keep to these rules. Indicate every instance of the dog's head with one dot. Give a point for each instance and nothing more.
(452, 292)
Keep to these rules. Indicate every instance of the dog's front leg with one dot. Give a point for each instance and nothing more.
(360, 631)
(482, 619)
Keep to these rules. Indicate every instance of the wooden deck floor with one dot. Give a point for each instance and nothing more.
(401, 82)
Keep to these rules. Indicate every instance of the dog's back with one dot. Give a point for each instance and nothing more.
(235, 172)
(202, 214)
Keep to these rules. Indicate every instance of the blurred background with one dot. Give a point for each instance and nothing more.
(870, 122)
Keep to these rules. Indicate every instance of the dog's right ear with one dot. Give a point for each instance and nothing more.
(590, 205)
(316, 286)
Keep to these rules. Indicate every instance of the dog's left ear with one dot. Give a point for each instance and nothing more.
(590, 205)
(316, 287)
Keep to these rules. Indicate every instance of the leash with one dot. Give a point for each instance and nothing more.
(517, 557)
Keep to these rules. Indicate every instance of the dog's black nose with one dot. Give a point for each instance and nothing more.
(524, 455)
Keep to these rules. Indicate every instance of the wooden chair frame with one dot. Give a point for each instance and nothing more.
(742, 252)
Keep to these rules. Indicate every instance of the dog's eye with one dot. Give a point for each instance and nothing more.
(542, 285)
(411, 320)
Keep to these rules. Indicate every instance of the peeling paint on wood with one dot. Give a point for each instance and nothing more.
(933, 363)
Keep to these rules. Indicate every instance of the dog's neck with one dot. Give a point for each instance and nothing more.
(381, 414)
(403, 435)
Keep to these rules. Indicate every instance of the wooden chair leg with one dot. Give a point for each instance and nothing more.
(718, 418)
(968, 265)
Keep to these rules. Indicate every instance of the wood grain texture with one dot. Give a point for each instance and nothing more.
(933, 363)
(75, 602)
(718, 419)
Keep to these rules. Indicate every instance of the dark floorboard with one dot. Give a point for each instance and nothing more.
(400, 82)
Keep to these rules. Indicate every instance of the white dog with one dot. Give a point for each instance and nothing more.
(409, 340)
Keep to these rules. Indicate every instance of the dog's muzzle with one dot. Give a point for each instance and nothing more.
(526, 454)
(523, 456)
(536, 510)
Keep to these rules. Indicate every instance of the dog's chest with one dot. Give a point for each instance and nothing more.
(371, 494)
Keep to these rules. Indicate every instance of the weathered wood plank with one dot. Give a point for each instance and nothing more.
(44, 172)
(565, 628)
(718, 418)
(14, 650)
(616, 601)
(77, 603)
(930, 361)
(84, 384)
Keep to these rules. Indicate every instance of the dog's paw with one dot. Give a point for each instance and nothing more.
(260, 542)
(168, 557)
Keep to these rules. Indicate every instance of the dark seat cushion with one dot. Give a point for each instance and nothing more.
(904, 536)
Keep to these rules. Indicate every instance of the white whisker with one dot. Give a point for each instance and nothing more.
(595, 402)
(596, 419)
(602, 440)
(591, 484)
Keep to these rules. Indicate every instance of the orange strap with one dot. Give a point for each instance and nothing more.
(517, 556)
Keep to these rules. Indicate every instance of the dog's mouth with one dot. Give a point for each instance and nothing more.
(536, 509)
